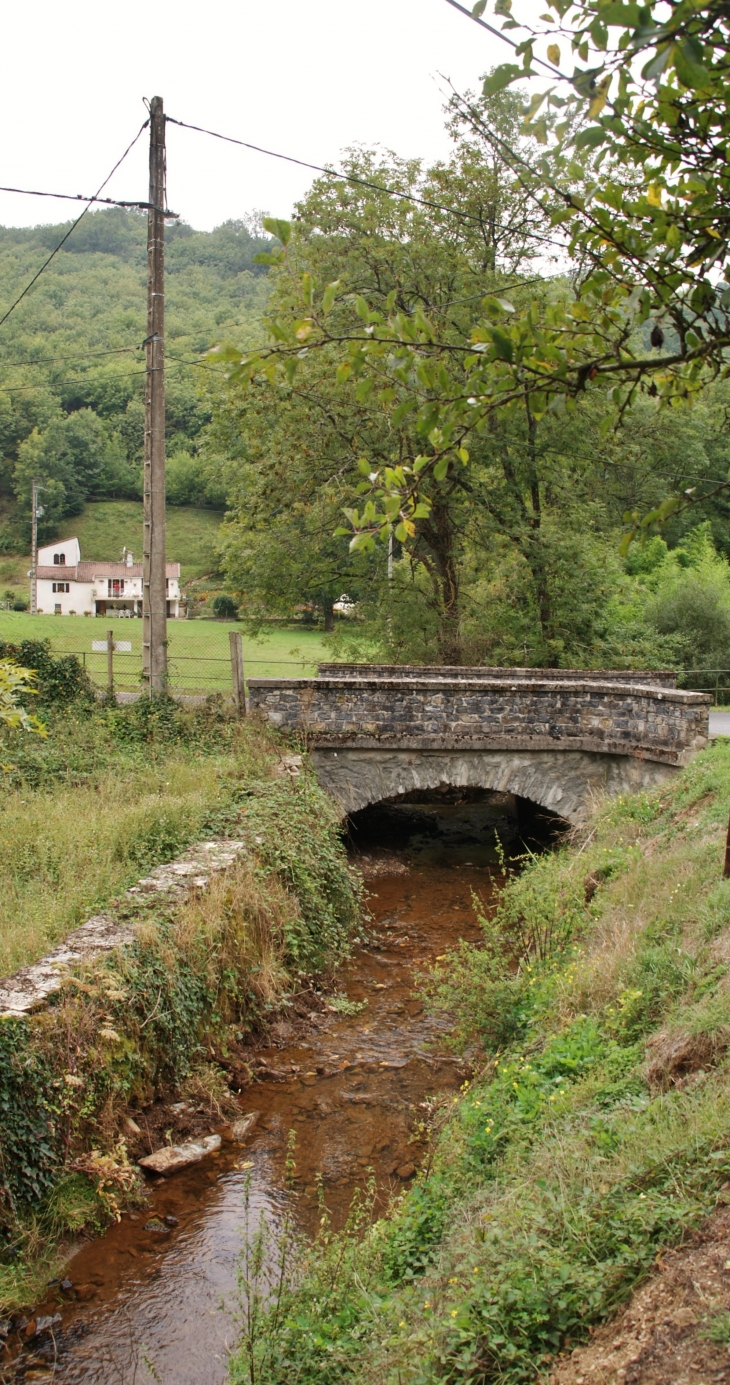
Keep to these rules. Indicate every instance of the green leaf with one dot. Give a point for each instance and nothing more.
(364, 390)
(440, 469)
(280, 229)
(656, 67)
(479, 8)
(689, 65)
(266, 258)
(329, 295)
(502, 345)
(591, 138)
(501, 77)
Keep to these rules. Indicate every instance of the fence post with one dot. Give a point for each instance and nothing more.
(239, 691)
(110, 663)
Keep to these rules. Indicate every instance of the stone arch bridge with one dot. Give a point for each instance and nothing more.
(561, 738)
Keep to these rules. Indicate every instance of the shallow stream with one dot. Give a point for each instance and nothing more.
(162, 1305)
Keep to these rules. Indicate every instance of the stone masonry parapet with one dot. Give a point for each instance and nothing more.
(663, 678)
(628, 718)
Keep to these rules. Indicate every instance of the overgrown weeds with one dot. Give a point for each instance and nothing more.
(197, 977)
(596, 1134)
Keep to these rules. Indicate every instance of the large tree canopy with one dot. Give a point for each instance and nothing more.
(620, 168)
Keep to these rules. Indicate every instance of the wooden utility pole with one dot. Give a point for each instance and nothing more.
(154, 604)
(34, 550)
(110, 662)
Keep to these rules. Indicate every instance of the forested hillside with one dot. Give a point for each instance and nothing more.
(72, 367)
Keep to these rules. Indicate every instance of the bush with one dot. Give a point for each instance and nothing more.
(20, 604)
(60, 679)
(224, 607)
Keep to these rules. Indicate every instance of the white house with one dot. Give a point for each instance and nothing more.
(67, 587)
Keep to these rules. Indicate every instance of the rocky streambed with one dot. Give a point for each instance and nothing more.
(155, 1297)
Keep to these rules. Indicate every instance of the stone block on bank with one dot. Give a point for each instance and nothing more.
(172, 1158)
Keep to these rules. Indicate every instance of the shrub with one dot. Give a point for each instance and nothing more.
(59, 678)
(224, 607)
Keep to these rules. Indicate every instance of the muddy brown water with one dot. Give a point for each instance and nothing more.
(162, 1306)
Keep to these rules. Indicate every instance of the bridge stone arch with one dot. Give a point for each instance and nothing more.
(567, 783)
(562, 739)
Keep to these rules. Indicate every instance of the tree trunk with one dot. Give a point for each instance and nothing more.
(437, 534)
(329, 616)
(534, 550)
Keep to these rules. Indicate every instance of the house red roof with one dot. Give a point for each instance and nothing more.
(91, 572)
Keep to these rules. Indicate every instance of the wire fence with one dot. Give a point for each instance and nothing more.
(715, 681)
(199, 652)
(194, 675)
(199, 655)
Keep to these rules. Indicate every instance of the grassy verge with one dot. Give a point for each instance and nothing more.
(597, 1133)
(105, 797)
(199, 650)
(110, 793)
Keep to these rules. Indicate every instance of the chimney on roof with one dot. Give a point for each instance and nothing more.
(130, 559)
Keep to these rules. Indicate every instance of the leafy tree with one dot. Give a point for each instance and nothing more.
(77, 460)
(513, 557)
(73, 348)
(622, 161)
(692, 601)
(224, 607)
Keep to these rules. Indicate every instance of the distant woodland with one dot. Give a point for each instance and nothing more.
(71, 363)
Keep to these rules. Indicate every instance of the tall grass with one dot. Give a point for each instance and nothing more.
(104, 799)
(596, 1133)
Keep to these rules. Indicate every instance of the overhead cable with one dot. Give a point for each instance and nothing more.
(333, 173)
(554, 71)
(50, 360)
(72, 227)
(77, 380)
(80, 197)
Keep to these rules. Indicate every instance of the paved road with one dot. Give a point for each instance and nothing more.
(720, 723)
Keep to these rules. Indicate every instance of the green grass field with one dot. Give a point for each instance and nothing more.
(199, 650)
(108, 526)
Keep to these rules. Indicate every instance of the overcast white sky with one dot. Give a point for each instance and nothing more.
(307, 77)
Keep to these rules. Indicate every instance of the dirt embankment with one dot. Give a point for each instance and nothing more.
(675, 1330)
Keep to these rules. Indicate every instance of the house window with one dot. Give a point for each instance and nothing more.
(57, 609)
(59, 559)
(61, 586)
(115, 586)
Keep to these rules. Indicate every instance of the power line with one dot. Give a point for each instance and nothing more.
(77, 380)
(344, 177)
(72, 228)
(86, 379)
(80, 197)
(554, 71)
(50, 360)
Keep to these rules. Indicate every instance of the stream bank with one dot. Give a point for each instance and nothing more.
(155, 1298)
(596, 1138)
